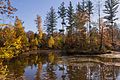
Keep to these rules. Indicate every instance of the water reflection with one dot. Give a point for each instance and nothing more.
(52, 66)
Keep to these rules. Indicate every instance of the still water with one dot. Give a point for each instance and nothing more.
(53, 66)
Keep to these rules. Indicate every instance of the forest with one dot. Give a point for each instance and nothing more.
(77, 31)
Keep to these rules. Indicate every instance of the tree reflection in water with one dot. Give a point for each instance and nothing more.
(52, 66)
(39, 70)
(3, 71)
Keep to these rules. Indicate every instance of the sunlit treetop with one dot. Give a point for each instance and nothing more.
(18, 22)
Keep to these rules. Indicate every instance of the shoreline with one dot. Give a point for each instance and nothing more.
(109, 54)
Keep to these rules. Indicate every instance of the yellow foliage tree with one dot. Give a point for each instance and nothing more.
(36, 41)
(14, 40)
(58, 42)
(51, 42)
(20, 32)
(11, 48)
(3, 71)
(51, 57)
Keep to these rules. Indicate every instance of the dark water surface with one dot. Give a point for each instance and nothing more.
(53, 66)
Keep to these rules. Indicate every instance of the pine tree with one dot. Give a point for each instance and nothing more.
(100, 26)
(62, 14)
(90, 11)
(89, 7)
(81, 7)
(51, 21)
(80, 19)
(81, 16)
(111, 7)
(70, 18)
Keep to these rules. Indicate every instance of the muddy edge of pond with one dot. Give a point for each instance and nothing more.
(42, 52)
(70, 52)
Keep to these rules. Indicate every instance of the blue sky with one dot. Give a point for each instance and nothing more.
(28, 9)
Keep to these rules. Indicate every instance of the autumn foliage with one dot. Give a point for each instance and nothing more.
(77, 35)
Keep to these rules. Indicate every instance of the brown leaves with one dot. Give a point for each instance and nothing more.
(6, 8)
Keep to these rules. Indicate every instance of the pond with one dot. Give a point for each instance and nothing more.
(53, 66)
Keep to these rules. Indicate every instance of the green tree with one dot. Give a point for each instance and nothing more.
(51, 21)
(80, 18)
(62, 14)
(81, 7)
(94, 39)
(89, 8)
(111, 7)
(70, 19)
(100, 26)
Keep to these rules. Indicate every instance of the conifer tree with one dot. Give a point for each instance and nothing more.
(110, 10)
(51, 21)
(80, 19)
(70, 19)
(90, 11)
(62, 14)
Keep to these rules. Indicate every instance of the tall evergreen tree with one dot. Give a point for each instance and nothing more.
(100, 26)
(62, 14)
(80, 19)
(89, 7)
(111, 7)
(70, 18)
(81, 16)
(51, 21)
(79, 7)
(83, 6)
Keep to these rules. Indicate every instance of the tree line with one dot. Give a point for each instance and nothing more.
(79, 36)
(77, 32)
